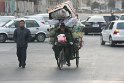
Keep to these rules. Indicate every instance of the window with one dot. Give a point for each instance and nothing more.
(107, 18)
(6, 23)
(106, 27)
(122, 17)
(31, 23)
(88, 18)
(120, 25)
(15, 24)
(96, 19)
(111, 25)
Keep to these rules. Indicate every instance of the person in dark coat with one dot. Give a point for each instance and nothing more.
(57, 49)
(22, 37)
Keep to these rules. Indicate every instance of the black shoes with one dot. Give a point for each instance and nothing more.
(20, 65)
(23, 66)
(68, 64)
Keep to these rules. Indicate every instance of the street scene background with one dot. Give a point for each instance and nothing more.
(97, 63)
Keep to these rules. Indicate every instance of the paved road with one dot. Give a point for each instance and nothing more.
(98, 64)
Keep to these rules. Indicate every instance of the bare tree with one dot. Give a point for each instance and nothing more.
(111, 4)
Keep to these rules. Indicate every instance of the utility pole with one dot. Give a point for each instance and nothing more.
(77, 5)
(28, 8)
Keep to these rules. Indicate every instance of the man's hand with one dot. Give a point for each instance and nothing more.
(71, 43)
(55, 43)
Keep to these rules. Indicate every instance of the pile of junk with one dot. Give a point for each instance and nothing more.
(65, 13)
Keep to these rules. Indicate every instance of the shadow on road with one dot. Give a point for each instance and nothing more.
(29, 42)
(92, 35)
(67, 73)
(116, 46)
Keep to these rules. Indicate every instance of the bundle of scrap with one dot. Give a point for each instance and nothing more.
(65, 13)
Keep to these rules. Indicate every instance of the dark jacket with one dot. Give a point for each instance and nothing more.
(22, 37)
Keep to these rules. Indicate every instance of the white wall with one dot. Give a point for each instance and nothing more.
(24, 6)
(118, 4)
(42, 6)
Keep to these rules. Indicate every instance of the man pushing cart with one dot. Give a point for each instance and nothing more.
(66, 36)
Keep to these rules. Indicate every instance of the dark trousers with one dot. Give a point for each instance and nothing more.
(21, 54)
(57, 50)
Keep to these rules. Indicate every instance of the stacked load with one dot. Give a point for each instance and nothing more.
(64, 13)
(60, 14)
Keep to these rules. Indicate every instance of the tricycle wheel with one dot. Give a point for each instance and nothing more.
(77, 59)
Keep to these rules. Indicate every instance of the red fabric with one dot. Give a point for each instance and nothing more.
(2, 6)
(62, 38)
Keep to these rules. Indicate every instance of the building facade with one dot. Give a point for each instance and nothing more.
(7, 7)
(26, 7)
(10, 7)
(118, 4)
(2, 7)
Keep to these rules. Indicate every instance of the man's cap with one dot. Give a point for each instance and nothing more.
(21, 21)
(62, 25)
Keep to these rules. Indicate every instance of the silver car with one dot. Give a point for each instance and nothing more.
(38, 31)
(43, 18)
(4, 19)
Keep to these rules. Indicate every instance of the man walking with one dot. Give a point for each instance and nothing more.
(22, 37)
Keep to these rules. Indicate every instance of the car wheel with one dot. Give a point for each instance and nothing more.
(41, 37)
(101, 40)
(3, 38)
(111, 42)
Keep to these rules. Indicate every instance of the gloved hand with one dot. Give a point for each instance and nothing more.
(55, 43)
(71, 43)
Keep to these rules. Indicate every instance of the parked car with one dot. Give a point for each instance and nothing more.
(113, 33)
(94, 24)
(43, 18)
(4, 19)
(122, 17)
(39, 18)
(38, 32)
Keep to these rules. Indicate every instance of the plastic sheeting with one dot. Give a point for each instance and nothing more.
(69, 22)
(60, 14)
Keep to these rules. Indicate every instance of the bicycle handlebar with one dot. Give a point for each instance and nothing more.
(60, 44)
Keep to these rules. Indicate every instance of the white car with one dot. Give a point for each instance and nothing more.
(113, 33)
(43, 18)
(38, 32)
(38, 18)
(4, 19)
